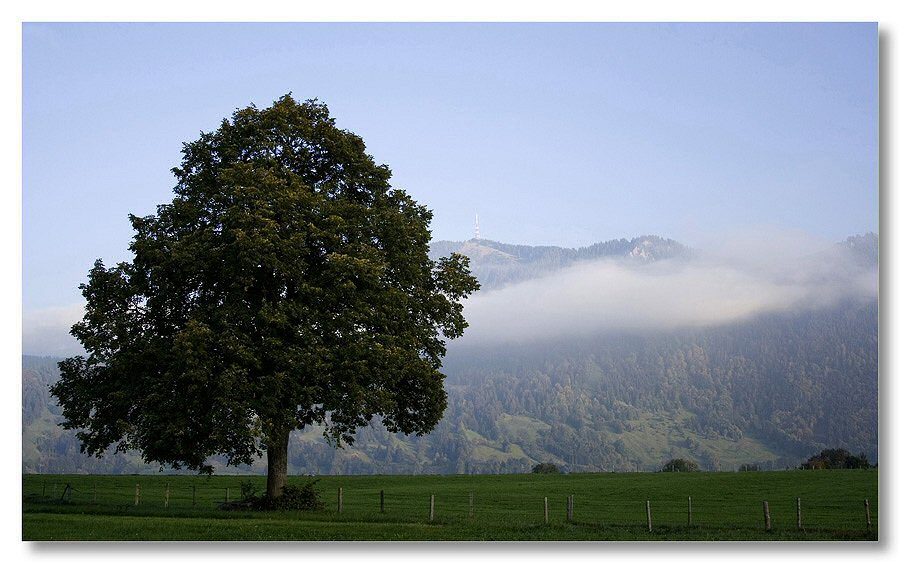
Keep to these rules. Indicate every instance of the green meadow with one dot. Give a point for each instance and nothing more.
(604, 507)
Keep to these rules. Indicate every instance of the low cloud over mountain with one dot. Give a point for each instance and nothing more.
(733, 280)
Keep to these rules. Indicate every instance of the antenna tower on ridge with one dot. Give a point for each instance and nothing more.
(477, 229)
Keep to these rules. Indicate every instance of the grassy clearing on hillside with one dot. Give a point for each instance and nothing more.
(723, 506)
(653, 436)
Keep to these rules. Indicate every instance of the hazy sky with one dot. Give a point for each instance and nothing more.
(563, 134)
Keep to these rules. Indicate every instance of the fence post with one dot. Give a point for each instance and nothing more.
(570, 508)
(94, 489)
(340, 499)
(546, 511)
(431, 512)
(799, 524)
(766, 516)
(471, 505)
(868, 517)
(690, 513)
(167, 495)
(137, 494)
(194, 495)
(382, 501)
(649, 520)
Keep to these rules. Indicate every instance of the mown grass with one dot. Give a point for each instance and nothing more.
(607, 506)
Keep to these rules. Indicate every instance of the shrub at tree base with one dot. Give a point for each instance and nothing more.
(306, 497)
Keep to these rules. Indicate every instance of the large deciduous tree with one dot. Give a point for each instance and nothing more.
(286, 284)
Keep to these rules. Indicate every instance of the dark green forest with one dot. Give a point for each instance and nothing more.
(787, 385)
(770, 391)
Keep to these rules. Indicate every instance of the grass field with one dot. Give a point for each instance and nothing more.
(607, 507)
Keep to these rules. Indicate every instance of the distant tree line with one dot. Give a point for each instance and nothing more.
(545, 468)
(680, 465)
(836, 459)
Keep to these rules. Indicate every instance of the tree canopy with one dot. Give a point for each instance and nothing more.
(286, 284)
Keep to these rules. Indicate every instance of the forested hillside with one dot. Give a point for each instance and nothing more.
(46, 447)
(770, 390)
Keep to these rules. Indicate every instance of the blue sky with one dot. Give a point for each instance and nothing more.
(562, 134)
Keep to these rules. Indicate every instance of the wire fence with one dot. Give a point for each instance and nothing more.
(456, 504)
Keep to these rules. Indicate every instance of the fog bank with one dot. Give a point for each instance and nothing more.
(738, 278)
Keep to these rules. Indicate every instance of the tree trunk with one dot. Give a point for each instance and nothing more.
(276, 454)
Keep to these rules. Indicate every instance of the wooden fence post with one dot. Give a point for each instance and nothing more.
(194, 495)
(799, 523)
(570, 508)
(690, 513)
(382, 501)
(167, 495)
(546, 511)
(649, 520)
(868, 517)
(340, 499)
(766, 515)
(431, 512)
(137, 494)
(471, 505)
(94, 489)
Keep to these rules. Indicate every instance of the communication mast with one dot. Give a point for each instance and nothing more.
(477, 228)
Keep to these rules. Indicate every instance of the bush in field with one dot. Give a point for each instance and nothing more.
(680, 465)
(545, 468)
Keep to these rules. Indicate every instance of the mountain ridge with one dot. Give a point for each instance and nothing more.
(497, 264)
